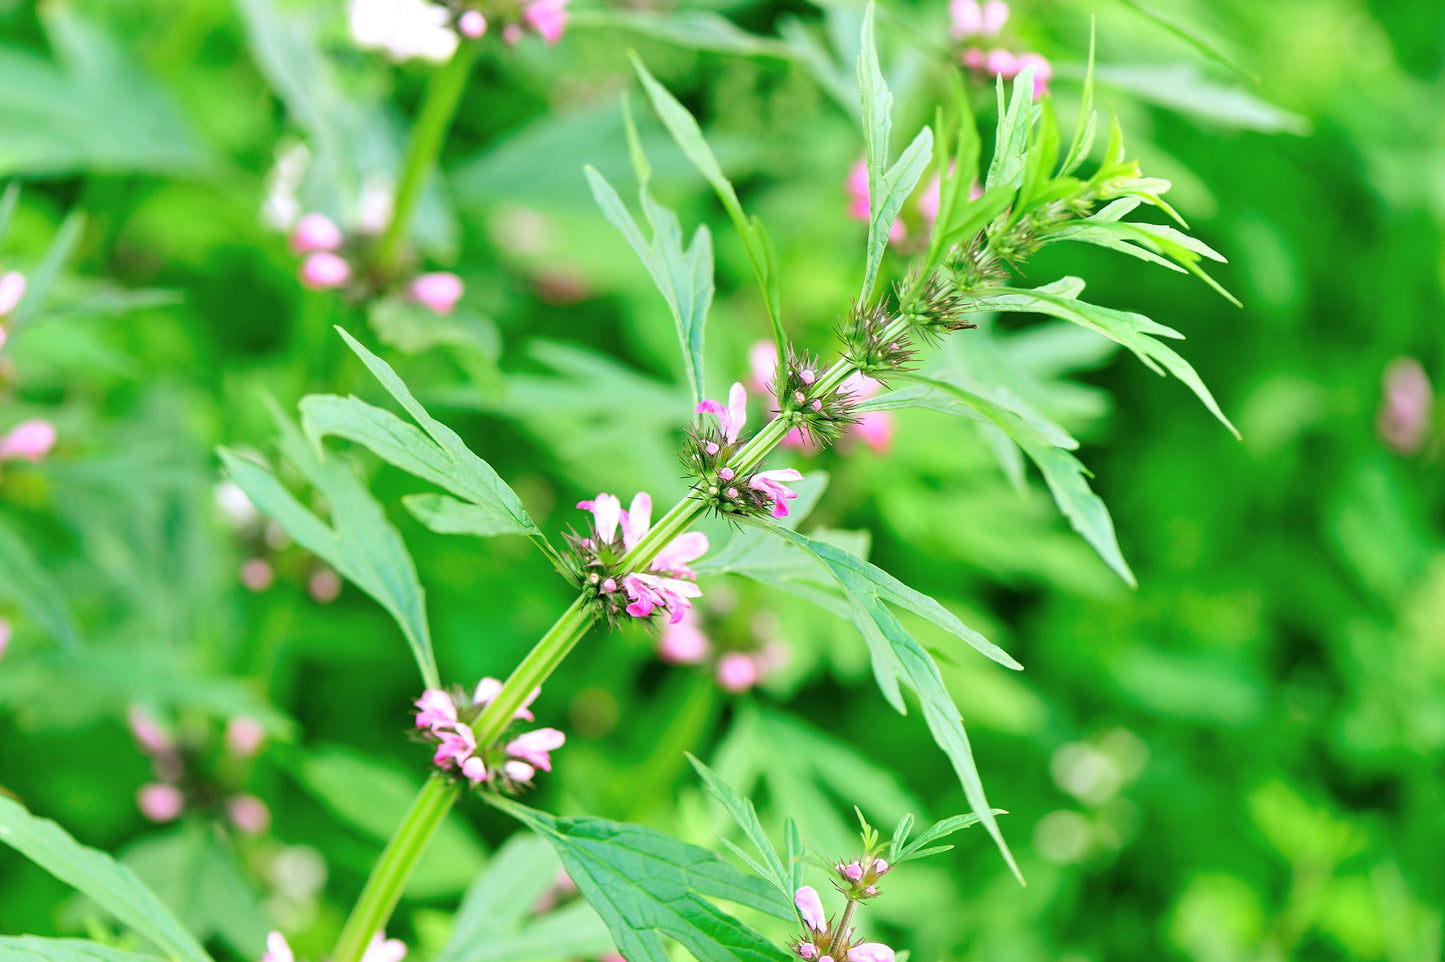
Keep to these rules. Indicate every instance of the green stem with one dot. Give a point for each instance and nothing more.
(840, 934)
(390, 874)
(540, 662)
(443, 93)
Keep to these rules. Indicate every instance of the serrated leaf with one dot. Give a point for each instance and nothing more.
(501, 897)
(362, 546)
(111, 885)
(899, 659)
(1087, 128)
(24, 582)
(1012, 135)
(685, 277)
(688, 135)
(1134, 331)
(446, 515)
(30, 948)
(746, 817)
(645, 884)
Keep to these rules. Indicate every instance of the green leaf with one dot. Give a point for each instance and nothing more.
(1189, 35)
(899, 659)
(1062, 471)
(30, 948)
(888, 187)
(1134, 331)
(199, 878)
(1011, 138)
(1186, 89)
(1086, 131)
(373, 798)
(42, 279)
(24, 581)
(495, 921)
(645, 884)
(685, 277)
(446, 515)
(8, 200)
(362, 546)
(111, 885)
(688, 136)
(746, 817)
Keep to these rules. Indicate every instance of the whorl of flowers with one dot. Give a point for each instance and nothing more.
(710, 453)
(445, 719)
(667, 583)
(328, 256)
(827, 940)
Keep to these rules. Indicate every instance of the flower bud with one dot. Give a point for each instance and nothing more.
(257, 575)
(244, 736)
(323, 270)
(160, 803)
(1002, 63)
(810, 906)
(472, 24)
(249, 814)
(28, 440)
(438, 291)
(12, 290)
(807, 950)
(880, 867)
(853, 872)
(316, 232)
(737, 672)
(870, 952)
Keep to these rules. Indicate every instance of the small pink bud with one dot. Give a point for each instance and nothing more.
(244, 736)
(1002, 63)
(4, 636)
(810, 907)
(438, 291)
(160, 803)
(474, 770)
(974, 58)
(807, 950)
(817, 405)
(995, 15)
(547, 17)
(731, 492)
(257, 575)
(324, 586)
(249, 814)
(472, 24)
(519, 771)
(852, 871)
(12, 290)
(1043, 72)
(29, 440)
(316, 232)
(826, 958)
(737, 672)
(323, 270)
(148, 734)
(880, 867)
(806, 376)
(799, 396)
(609, 586)
(727, 474)
(870, 890)
(712, 447)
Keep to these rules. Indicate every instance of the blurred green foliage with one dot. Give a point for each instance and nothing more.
(1237, 761)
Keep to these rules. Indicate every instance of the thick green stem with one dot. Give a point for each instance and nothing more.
(540, 662)
(443, 93)
(840, 934)
(390, 874)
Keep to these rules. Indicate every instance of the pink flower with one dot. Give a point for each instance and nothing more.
(12, 290)
(436, 710)
(323, 270)
(244, 736)
(679, 551)
(472, 24)
(870, 952)
(853, 871)
(1001, 62)
(737, 672)
(147, 732)
(324, 586)
(438, 291)
(474, 770)
(682, 642)
(807, 950)
(732, 417)
(277, 950)
(489, 688)
(547, 17)
(974, 58)
(249, 814)
(257, 574)
(382, 949)
(29, 440)
(457, 745)
(970, 20)
(4, 636)
(316, 232)
(1404, 418)
(648, 592)
(532, 747)
(771, 484)
(1043, 72)
(160, 803)
(811, 908)
(606, 514)
(763, 363)
(880, 867)
(519, 771)
(636, 520)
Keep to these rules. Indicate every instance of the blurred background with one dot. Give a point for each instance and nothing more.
(1241, 760)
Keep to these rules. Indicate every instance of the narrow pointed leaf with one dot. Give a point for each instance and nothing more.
(746, 817)
(29, 948)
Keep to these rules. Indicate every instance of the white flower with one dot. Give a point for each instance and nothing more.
(403, 29)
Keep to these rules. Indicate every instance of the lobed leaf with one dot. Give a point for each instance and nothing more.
(746, 817)
(645, 885)
(111, 885)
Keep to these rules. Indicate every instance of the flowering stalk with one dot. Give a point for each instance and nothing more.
(443, 93)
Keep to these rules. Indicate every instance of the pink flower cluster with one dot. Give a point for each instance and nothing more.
(175, 763)
(324, 267)
(974, 22)
(380, 949)
(449, 725)
(873, 428)
(668, 583)
(1406, 406)
(819, 940)
(770, 484)
(683, 642)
